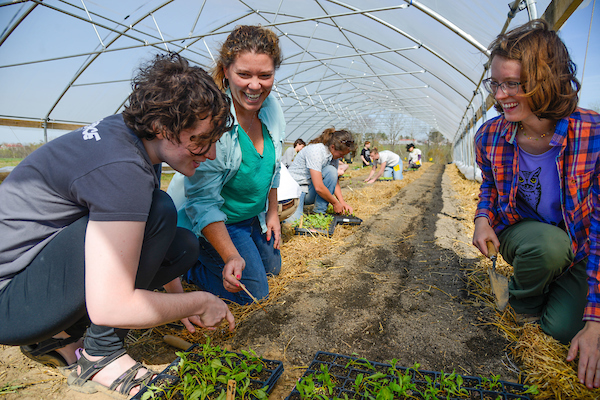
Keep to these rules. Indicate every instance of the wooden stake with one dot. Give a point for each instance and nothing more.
(231, 389)
(253, 298)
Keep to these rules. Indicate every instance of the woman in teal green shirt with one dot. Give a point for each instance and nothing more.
(231, 202)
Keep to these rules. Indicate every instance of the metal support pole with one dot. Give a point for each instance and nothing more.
(473, 158)
(532, 9)
(46, 130)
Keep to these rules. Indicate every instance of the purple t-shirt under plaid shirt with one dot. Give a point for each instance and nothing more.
(578, 166)
(538, 178)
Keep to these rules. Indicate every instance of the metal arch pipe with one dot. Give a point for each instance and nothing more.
(16, 24)
(470, 39)
(532, 9)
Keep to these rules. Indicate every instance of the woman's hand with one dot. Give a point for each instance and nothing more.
(484, 233)
(586, 343)
(232, 273)
(273, 228)
(214, 310)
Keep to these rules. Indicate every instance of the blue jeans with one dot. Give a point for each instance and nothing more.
(390, 172)
(260, 256)
(330, 179)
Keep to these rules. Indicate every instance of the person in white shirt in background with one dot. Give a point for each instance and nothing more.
(391, 165)
(414, 156)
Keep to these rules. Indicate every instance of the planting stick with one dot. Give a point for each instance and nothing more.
(253, 298)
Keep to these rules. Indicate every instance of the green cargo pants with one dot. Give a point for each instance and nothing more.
(540, 254)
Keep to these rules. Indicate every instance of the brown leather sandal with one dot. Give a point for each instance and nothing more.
(44, 352)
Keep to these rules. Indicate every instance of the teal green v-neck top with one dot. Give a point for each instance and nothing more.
(246, 193)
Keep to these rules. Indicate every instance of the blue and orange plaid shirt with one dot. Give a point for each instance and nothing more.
(578, 164)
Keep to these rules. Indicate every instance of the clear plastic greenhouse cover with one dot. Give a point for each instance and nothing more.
(346, 63)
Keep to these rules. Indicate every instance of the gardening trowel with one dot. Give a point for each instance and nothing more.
(498, 281)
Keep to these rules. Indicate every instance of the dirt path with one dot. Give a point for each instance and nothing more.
(396, 291)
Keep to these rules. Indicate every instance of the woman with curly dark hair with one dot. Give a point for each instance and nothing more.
(87, 234)
(540, 197)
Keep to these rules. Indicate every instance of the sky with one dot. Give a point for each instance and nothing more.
(575, 33)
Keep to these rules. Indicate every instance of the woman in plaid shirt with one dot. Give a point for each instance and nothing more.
(539, 202)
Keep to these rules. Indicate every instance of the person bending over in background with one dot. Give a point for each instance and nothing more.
(315, 168)
(231, 203)
(391, 165)
(87, 234)
(539, 199)
(290, 153)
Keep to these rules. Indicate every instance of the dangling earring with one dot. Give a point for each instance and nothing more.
(225, 83)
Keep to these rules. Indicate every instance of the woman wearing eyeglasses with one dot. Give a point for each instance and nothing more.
(231, 204)
(315, 168)
(539, 201)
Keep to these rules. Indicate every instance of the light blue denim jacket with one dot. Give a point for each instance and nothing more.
(198, 198)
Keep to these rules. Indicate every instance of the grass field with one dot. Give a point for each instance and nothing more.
(9, 162)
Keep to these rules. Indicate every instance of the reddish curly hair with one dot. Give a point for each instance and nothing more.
(547, 71)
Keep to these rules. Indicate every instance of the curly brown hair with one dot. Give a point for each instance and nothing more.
(547, 72)
(341, 140)
(253, 38)
(169, 95)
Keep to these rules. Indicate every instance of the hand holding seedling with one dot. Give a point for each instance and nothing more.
(338, 207)
(212, 311)
(348, 210)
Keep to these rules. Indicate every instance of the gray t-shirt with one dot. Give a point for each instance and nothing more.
(288, 156)
(102, 170)
(315, 156)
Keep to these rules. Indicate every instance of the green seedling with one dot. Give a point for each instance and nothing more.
(533, 389)
(203, 374)
(394, 383)
(8, 388)
(363, 363)
(491, 383)
(314, 221)
(344, 213)
(451, 385)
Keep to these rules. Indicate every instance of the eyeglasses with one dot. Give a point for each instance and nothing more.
(510, 88)
(203, 152)
(347, 142)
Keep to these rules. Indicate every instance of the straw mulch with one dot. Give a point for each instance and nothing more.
(298, 252)
(541, 358)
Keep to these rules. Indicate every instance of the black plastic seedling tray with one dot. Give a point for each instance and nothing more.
(345, 370)
(347, 220)
(314, 232)
(272, 370)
